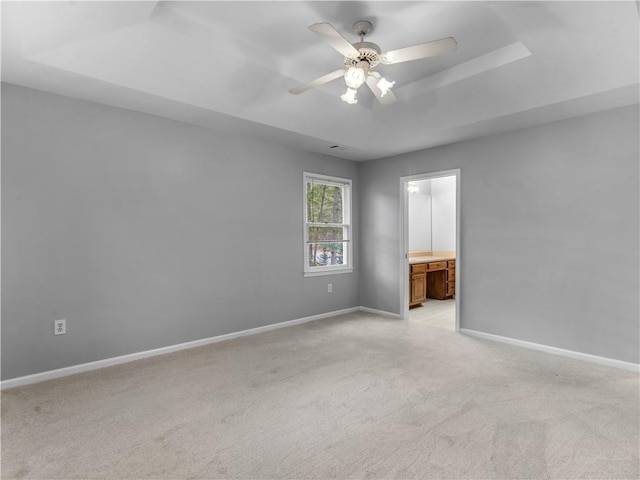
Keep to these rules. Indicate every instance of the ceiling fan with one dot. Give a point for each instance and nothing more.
(362, 57)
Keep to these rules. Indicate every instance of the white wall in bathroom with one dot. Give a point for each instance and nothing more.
(419, 221)
(443, 213)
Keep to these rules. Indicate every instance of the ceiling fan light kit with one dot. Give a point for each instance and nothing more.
(362, 57)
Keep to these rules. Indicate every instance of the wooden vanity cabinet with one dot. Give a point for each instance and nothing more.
(417, 284)
(432, 280)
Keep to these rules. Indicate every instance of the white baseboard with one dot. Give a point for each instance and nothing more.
(108, 362)
(633, 367)
(379, 312)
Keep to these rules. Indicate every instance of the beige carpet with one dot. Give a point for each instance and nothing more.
(358, 396)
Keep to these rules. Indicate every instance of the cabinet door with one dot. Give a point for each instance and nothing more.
(418, 288)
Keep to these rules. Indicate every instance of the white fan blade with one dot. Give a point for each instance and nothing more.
(318, 81)
(335, 39)
(372, 83)
(424, 50)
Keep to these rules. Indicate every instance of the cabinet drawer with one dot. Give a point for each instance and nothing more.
(451, 263)
(436, 266)
(451, 275)
(451, 288)
(418, 268)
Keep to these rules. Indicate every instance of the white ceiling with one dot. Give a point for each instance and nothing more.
(229, 65)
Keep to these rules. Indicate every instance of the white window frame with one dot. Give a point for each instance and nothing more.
(347, 266)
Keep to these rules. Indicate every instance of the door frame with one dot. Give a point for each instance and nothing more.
(404, 238)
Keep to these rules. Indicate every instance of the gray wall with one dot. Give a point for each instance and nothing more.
(144, 232)
(549, 233)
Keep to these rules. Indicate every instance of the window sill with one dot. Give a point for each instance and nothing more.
(328, 272)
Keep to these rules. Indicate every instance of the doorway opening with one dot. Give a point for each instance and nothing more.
(430, 248)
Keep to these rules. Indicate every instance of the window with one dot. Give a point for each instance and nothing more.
(327, 225)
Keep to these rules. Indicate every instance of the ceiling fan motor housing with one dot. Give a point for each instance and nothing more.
(368, 52)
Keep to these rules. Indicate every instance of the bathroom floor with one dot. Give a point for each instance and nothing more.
(436, 313)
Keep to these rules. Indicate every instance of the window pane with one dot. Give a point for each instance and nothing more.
(319, 234)
(326, 253)
(324, 203)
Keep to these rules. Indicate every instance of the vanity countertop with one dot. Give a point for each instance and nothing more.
(427, 257)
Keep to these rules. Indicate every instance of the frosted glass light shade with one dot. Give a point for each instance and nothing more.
(349, 96)
(354, 77)
(385, 85)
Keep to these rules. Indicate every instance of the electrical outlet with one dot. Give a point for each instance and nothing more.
(59, 327)
(330, 287)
